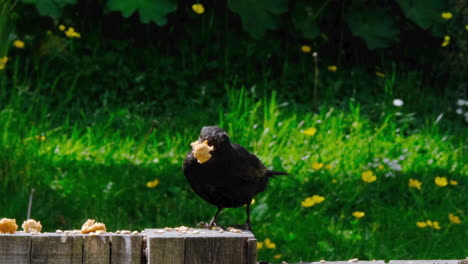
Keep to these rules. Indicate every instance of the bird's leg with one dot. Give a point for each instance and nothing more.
(213, 220)
(247, 225)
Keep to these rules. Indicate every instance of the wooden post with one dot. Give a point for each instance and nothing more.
(56, 248)
(200, 246)
(126, 249)
(15, 248)
(96, 249)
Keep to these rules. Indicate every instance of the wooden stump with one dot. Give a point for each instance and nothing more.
(15, 248)
(200, 247)
(126, 249)
(56, 248)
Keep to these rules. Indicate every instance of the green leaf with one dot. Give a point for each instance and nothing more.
(373, 25)
(52, 8)
(258, 16)
(149, 10)
(425, 13)
(305, 21)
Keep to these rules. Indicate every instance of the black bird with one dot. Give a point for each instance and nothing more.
(223, 173)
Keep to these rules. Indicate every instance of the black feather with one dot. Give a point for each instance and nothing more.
(231, 177)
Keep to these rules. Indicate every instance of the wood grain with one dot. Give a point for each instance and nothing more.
(15, 248)
(96, 249)
(56, 248)
(126, 249)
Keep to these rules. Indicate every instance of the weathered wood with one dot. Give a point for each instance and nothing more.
(228, 250)
(252, 251)
(15, 248)
(163, 247)
(199, 247)
(96, 249)
(390, 262)
(56, 248)
(423, 261)
(348, 262)
(126, 249)
(163, 250)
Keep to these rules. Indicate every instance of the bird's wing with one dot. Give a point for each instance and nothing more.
(247, 166)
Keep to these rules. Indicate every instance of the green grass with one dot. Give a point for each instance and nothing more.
(95, 163)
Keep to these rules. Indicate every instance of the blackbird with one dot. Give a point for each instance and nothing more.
(223, 173)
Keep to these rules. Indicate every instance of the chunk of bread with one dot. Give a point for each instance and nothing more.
(31, 226)
(201, 151)
(8, 225)
(92, 226)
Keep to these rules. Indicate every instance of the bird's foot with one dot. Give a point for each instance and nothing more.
(210, 225)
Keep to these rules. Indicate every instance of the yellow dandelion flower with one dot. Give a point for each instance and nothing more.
(259, 244)
(268, 243)
(421, 224)
(18, 44)
(466, 27)
(318, 199)
(277, 256)
(61, 27)
(436, 225)
(368, 176)
(380, 74)
(71, 33)
(306, 48)
(308, 202)
(334, 181)
(310, 131)
(454, 219)
(359, 214)
(453, 182)
(446, 15)
(198, 8)
(413, 183)
(429, 223)
(317, 165)
(446, 41)
(332, 68)
(3, 62)
(381, 167)
(152, 184)
(328, 166)
(40, 137)
(253, 201)
(441, 181)
(313, 200)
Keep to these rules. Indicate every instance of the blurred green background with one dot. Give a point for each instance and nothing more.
(364, 103)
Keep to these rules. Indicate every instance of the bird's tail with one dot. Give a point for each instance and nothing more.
(272, 174)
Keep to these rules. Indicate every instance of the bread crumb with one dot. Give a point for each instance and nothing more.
(91, 226)
(201, 151)
(31, 226)
(8, 225)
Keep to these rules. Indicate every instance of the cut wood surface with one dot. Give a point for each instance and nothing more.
(158, 246)
(199, 246)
